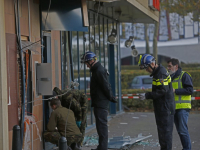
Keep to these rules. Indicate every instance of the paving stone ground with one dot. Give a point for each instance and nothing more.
(133, 123)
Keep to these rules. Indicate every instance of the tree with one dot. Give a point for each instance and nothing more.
(182, 7)
(155, 41)
(147, 39)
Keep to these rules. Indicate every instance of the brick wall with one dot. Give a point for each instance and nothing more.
(14, 66)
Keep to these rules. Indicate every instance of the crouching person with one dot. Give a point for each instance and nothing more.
(60, 117)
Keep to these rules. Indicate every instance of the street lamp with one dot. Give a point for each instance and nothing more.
(129, 41)
(112, 38)
(134, 51)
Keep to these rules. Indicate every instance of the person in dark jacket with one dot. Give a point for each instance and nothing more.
(163, 99)
(183, 89)
(101, 94)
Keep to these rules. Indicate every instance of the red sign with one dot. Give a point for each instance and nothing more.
(154, 4)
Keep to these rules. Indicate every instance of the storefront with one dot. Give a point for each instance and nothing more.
(61, 27)
(95, 40)
(103, 17)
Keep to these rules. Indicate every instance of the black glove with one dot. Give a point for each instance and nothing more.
(113, 99)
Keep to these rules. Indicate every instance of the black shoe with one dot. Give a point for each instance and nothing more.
(77, 148)
(69, 148)
(74, 146)
(95, 149)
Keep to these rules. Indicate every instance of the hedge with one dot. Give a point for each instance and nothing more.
(128, 75)
(147, 105)
(184, 66)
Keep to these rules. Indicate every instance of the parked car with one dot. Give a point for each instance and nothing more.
(141, 82)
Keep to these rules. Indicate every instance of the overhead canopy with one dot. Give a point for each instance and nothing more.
(127, 11)
(64, 15)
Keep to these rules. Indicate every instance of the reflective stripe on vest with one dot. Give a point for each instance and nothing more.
(158, 82)
(182, 101)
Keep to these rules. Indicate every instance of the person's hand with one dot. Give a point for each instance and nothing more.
(173, 90)
(113, 99)
(142, 96)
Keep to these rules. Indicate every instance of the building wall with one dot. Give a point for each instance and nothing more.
(36, 58)
(143, 5)
(4, 136)
(13, 69)
(11, 47)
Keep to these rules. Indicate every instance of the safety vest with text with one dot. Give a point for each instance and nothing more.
(181, 101)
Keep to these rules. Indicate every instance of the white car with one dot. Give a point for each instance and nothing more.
(141, 82)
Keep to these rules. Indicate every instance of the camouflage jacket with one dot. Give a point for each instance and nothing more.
(78, 100)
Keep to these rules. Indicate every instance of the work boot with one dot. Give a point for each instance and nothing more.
(69, 148)
(74, 146)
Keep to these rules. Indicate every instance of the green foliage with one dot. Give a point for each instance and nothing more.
(136, 91)
(138, 105)
(129, 72)
(182, 7)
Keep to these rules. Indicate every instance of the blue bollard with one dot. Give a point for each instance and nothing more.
(63, 143)
(16, 140)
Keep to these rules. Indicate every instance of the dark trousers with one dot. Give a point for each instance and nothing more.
(102, 127)
(165, 128)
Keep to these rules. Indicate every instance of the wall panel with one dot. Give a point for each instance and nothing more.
(55, 36)
(35, 19)
(9, 16)
(11, 48)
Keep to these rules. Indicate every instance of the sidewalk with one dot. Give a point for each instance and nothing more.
(132, 124)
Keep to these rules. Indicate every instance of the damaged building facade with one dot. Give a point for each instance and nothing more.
(40, 46)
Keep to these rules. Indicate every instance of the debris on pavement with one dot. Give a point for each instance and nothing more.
(135, 117)
(123, 123)
(91, 140)
(125, 142)
(131, 113)
(148, 143)
(119, 142)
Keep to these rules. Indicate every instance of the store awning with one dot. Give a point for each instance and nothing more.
(128, 11)
(64, 15)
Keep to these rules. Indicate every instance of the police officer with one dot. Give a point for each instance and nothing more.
(101, 94)
(183, 89)
(78, 103)
(163, 99)
(60, 118)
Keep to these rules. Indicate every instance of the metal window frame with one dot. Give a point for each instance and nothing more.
(92, 31)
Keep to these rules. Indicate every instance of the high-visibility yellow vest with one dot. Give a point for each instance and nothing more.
(181, 101)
